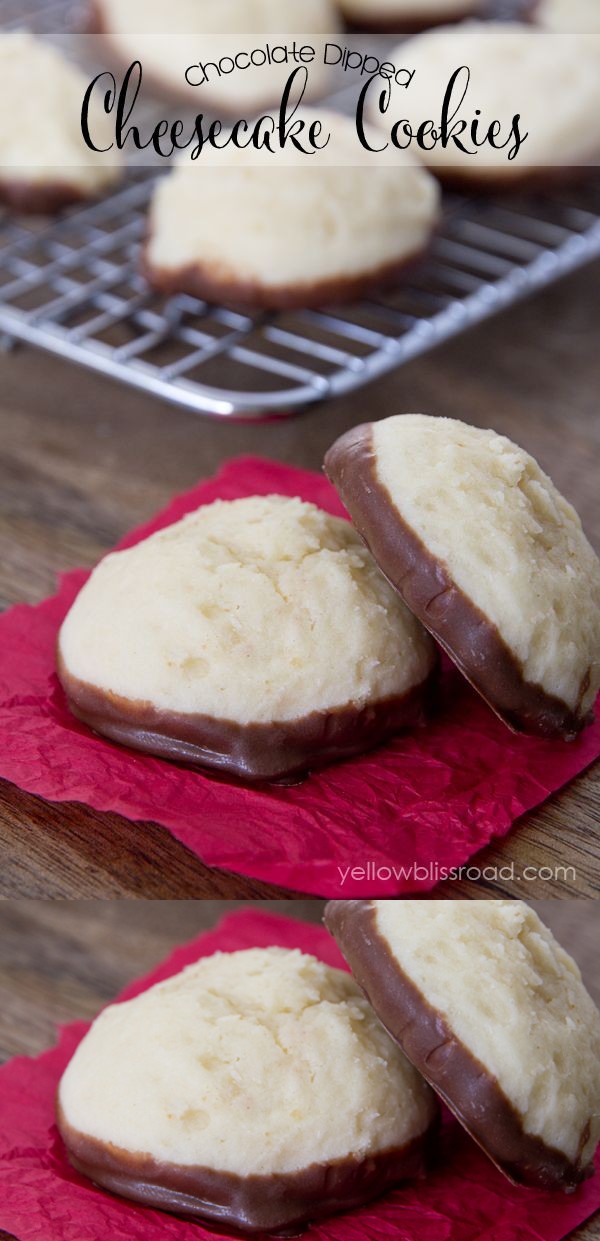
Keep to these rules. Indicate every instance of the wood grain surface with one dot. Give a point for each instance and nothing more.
(82, 460)
(62, 960)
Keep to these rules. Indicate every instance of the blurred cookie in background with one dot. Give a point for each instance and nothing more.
(568, 16)
(230, 38)
(44, 162)
(516, 70)
(305, 231)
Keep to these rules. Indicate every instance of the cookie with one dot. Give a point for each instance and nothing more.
(404, 16)
(256, 636)
(568, 16)
(494, 1013)
(44, 162)
(230, 37)
(303, 234)
(256, 1089)
(560, 140)
(490, 557)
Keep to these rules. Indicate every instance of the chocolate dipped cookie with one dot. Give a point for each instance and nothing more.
(256, 636)
(490, 557)
(255, 1089)
(492, 1011)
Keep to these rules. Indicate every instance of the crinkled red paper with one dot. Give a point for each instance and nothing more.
(464, 1198)
(404, 815)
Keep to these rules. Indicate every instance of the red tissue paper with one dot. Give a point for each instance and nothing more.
(394, 821)
(42, 1198)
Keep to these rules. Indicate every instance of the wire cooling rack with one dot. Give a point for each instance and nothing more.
(73, 287)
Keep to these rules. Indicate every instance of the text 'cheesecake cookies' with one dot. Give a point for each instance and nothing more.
(256, 1089)
(303, 230)
(403, 16)
(488, 554)
(494, 1013)
(231, 38)
(256, 636)
(505, 70)
(44, 161)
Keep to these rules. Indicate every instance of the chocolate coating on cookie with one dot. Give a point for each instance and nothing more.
(429, 588)
(253, 752)
(45, 199)
(405, 16)
(283, 1202)
(466, 1085)
(408, 17)
(210, 284)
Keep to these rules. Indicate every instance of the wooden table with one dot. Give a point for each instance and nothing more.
(61, 960)
(82, 460)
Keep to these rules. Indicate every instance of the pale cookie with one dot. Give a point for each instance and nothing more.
(256, 636)
(256, 1089)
